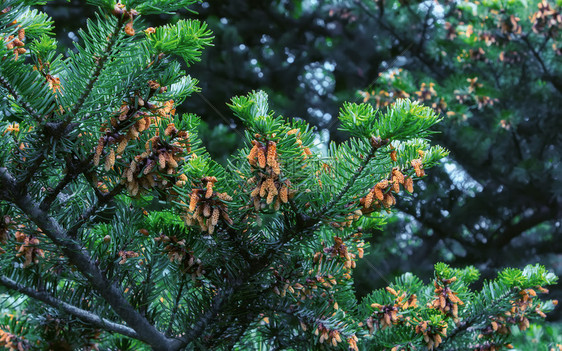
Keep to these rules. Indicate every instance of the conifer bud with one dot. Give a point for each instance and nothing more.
(270, 197)
(256, 191)
(417, 165)
(263, 189)
(271, 152)
(395, 185)
(398, 175)
(133, 133)
(171, 162)
(206, 210)
(170, 130)
(150, 164)
(215, 216)
(379, 188)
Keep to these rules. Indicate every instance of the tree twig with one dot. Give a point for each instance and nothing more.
(86, 316)
(18, 98)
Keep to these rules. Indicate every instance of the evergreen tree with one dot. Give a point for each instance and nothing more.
(118, 228)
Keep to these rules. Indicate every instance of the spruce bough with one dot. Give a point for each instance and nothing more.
(120, 230)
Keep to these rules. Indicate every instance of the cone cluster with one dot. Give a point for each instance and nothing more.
(178, 252)
(271, 189)
(158, 165)
(432, 334)
(332, 337)
(339, 249)
(387, 315)
(381, 195)
(207, 206)
(15, 43)
(518, 314)
(446, 300)
(28, 248)
(264, 156)
(125, 255)
(120, 11)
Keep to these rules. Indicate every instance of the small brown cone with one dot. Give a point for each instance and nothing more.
(209, 191)
(99, 150)
(110, 160)
(161, 160)
(253, 153)
(261, 158)
(215, 216)
(409, 185)
(369, 199)
(284, 194)
(194, 199)
(271, 153)
(122, 145)
(129, 28)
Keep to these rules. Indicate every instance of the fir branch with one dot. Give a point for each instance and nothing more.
(48, 200)
(350, 182)
(176, 304)
(96, 74)
(302, 225)
(30, 171)
(18, 98)
(86, 316)
(209, 316)
(91, 211)
(81, 259)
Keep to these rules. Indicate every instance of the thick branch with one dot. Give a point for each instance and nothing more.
(86, 316)
(80, 258)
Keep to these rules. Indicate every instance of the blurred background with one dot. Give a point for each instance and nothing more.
(492, 69)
